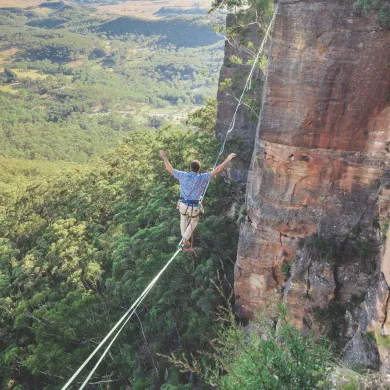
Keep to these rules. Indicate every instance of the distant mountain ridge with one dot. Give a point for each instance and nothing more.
(181, 32)
(170, 11)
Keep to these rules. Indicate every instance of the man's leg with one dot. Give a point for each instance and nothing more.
(194, 211)
(183, 218)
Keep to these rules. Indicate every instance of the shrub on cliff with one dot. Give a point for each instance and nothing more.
(380, 7)
(264, 358)
(266, 6)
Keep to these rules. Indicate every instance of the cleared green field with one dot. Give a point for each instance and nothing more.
(9, 89)
(32, 74)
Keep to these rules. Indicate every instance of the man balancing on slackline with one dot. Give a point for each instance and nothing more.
(192, 185)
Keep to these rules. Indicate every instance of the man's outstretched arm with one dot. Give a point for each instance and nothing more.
(168, 165)
(222, 166)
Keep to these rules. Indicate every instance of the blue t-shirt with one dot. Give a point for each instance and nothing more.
(192, 184)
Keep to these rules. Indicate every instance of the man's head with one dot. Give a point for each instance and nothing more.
(195, 166)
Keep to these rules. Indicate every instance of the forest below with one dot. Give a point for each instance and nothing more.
(88, 213)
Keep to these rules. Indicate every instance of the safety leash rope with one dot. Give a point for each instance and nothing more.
(246, 88)
(129, 313)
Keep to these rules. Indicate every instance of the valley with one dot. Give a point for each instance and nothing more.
(76, 77)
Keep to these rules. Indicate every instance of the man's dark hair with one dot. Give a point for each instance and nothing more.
(195, 166)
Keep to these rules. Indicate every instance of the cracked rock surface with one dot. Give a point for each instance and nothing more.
(318, 191)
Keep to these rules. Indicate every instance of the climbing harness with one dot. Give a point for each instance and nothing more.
(131, 311)
(190, 202)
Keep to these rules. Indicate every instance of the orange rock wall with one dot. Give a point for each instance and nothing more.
(319, 164)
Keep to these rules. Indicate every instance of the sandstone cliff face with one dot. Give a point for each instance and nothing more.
(318, 191)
